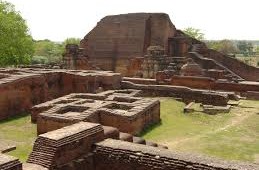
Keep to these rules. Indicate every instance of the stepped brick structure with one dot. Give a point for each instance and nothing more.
(23, 88)
(9, 163)
(56, 148)
(111, 108)
(120, 43)
(147, 45)
(71, 147)
(118, 38)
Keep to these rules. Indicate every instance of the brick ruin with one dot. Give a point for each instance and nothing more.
(123, 43)
(96, 131)
(118, 108)
(23, 88)
(88, 117)
(118, 38)
(147, 45)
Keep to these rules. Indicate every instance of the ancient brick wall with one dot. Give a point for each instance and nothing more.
(140, 80)
(187, 94)
(113, 154)
(236, 87)
(117, 39)
(193, 82)
(21, 89)
(247, 72)
(212, 84)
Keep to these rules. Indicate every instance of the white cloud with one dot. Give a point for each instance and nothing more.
(57, 20)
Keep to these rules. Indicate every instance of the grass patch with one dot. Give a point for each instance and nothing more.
(21, 132)
(232, 136)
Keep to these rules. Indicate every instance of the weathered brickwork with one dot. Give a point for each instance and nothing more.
(185, 93)
(9, 163)
(118, 38)
(117, 108)
(22, 88)
(112, 154)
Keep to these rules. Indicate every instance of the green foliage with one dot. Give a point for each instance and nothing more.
(245, 47)
(194, 33)
(48, 52)
(71, 41)
(51, 51)
(39, 60)
(16, 44)
(224, 46)
(257, 49)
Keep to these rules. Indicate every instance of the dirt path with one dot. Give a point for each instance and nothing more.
(241, 114)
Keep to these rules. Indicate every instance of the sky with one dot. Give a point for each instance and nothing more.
(217, 19)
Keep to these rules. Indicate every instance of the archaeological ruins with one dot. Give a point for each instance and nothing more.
(90, 112)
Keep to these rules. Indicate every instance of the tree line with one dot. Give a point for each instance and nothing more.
(244, 47)
(50, 52)
(17, 46)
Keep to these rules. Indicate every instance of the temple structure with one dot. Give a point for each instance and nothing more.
(88, 117)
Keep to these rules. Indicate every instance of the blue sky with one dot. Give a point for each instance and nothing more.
(217, 19)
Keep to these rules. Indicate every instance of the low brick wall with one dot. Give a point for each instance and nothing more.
(140, 80)
(113, 154)
(193, 82)
(187, 94)
(23, 88)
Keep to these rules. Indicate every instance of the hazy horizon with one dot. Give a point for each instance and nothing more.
(57, 20)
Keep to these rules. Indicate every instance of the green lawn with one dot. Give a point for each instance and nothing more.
(21, 132)
(233, 136)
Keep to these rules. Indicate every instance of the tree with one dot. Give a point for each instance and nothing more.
(16, 44)
(194, 33)
(224, 46)
(47, 51)
(72, 41)
(245, 47)
(52, 51)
